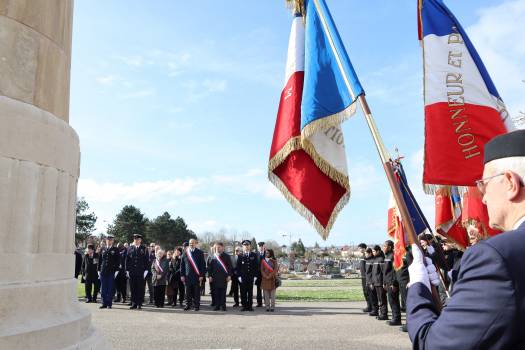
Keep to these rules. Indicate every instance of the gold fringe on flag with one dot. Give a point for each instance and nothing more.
(297, 6)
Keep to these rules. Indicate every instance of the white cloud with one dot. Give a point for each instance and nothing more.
(215, 85)
(499, 38)
(106, 80)
(139, 94)
(140, 191)
(133, 61)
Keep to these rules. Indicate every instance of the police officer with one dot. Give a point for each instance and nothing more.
(120, 280)
(391, 284)
(369, 263)
(247, 272)
(136, 269)
(362, 269)
(107, 268)
(260, 256)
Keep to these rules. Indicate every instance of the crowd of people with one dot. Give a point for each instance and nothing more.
(384, 286)
(178, 277)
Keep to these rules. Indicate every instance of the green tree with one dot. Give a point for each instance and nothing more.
(85, 222)
(128, 222)
(298, 248)
(168, 232)
(254, 244)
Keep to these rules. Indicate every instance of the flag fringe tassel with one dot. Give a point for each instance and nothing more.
(307, 214)
(334, 120)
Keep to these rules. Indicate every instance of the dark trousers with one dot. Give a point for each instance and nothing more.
(159, 293)
(220, 296)
(259, 292)
(193, 295)
(234, 290)
(151, 292)
(136, 285)
(212, 292)
(180, 289)
(247, 293)
(89, 285)
(403, 294)
(365, 293)
(393, 300)
(381, 301)
(120, 286)
(372, 295)
(107, 282)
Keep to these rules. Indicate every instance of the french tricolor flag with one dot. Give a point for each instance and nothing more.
(307, 157)
(463, 109)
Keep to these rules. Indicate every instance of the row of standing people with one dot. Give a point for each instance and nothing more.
(179, 274)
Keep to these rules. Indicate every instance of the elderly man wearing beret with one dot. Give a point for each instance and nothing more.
(487, 306)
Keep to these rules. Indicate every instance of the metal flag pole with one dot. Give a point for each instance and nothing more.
(383, 153)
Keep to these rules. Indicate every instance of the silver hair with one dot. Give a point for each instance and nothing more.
(514, 164)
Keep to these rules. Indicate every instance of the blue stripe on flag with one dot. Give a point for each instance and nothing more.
(415, 212)
(439, 20)
(325, 91)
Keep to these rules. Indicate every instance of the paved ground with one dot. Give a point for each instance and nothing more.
(335, 325)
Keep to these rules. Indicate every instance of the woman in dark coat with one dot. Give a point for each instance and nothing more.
(90, 274)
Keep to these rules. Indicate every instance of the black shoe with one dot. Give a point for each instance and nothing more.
(130, 304)
(94, 301)
(373, 313)
(223, 308)
(196, 309)
(394, 323)
(267, 310)
(133, 307)
(109, 306)
(212, 305)
(403, 328)
(102, 307)
(235, 305)
(88, 301)
(139, 307)
(123, 301)
(382, 318)
(244, 309)
(272, 310)
(187, 308)
(117, 300)
(216, 308)
(366, 309)
(250, 309)
(403, 309)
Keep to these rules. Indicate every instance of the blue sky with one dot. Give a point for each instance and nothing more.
(175, 105)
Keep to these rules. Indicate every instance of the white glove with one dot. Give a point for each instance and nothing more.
(240, 279)
(430, 250)
(127, 274)
(254, 279)
(419, 272)
(98, 272)
(116, 273)
(145, 273)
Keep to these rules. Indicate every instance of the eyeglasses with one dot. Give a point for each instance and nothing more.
(482, 184)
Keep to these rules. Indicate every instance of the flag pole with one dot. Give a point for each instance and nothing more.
(383, 153)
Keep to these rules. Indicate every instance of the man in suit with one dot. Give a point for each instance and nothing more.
(107, 268)
(247, 272)
(137, 264)
(193, 268)
(90, 274)
(487, 306)
(234, 288)
(219, 273)
(260, 256)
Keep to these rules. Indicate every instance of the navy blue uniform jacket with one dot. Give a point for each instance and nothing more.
(487, 306)
(186, 269)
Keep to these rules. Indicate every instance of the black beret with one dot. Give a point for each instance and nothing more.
(260, 244)
(505, 146)
(246, 242)
(136, 235)
(110, 237)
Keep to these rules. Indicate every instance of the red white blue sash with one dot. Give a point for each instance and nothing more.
(218, 257)
(192, 262)
(267, 265)
(158, 267)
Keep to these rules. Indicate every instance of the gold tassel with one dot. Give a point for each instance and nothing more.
(297, 6)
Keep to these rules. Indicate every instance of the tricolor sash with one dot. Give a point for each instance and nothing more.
(158, 267)
(267, 265)
(192, 262)
(218, 257)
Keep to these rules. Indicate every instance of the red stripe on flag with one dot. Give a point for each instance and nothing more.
(454, 141)
(288, 123)
(310, 186)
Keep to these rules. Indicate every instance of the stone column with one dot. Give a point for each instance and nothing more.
(39, 169)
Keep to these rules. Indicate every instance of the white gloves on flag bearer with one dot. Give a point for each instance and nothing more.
(419, 272)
